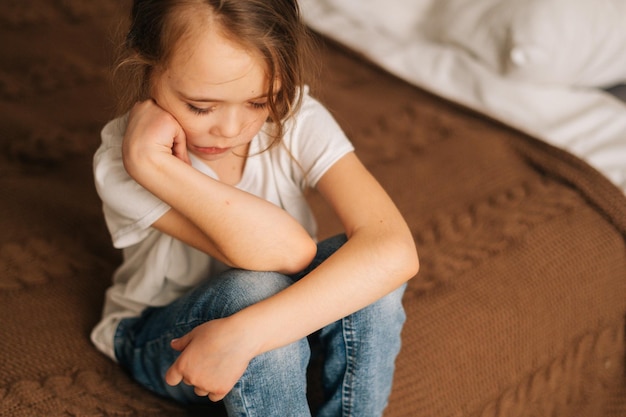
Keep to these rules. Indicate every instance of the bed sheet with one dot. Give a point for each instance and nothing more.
(588, 122)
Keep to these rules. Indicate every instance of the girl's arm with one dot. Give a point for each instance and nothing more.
(236, 227)
(378, 257)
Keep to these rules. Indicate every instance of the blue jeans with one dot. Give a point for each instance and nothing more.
(358, 351)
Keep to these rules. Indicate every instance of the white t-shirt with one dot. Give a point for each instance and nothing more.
(157, 268)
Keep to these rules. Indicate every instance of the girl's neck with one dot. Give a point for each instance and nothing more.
(230, 168)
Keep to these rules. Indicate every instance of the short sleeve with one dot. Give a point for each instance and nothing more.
(316, 141)
(129, 209)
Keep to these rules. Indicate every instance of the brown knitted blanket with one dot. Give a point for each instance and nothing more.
(518, 309)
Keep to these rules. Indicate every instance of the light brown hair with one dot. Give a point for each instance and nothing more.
(273, 28)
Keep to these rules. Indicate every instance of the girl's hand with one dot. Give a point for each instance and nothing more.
(152, 131)
(214, 357)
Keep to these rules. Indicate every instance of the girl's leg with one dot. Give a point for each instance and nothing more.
(274, 383)
(359, 351)
(359, 358)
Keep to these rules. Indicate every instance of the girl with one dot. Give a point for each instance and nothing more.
(203, 183)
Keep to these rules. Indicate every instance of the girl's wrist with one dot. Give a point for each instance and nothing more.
(142, 163)
(252, 328)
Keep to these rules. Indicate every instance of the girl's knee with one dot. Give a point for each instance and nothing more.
(223, 296)
(379, 324)
(238, 289)
(383, 319)
(391, 306)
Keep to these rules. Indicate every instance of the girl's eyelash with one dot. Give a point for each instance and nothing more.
(197, 110)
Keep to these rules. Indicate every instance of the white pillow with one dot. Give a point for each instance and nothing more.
(567, 42)
(396, 18)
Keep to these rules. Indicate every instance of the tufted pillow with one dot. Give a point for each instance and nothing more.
(567, 42)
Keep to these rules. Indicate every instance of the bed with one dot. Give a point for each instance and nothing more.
(519, 305)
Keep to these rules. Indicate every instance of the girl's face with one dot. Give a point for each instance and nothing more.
(217, 91)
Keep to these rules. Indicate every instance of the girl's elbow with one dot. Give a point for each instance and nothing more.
(413, 265)
(298, 257)
(407, 259)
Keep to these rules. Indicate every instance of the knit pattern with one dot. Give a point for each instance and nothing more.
(592, 364)
(81, 393)
(33, 263)
(453, 243)
(518, 308)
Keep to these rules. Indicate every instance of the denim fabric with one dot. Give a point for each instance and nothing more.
(359, 350)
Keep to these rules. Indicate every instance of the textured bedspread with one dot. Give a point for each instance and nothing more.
(518, 309)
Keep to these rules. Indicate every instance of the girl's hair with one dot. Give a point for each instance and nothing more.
(273, 28)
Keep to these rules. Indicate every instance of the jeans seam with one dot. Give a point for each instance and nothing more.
(249, 408)
(346, 390)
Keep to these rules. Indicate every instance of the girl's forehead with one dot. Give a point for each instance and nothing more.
(209, 45)
(209, 61)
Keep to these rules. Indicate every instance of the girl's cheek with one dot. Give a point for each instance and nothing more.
(193, 128)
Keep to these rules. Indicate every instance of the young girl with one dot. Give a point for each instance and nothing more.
(202, 184)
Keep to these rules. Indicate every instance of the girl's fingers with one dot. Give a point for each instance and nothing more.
(215, 397)
(201, 393)
(181, 343)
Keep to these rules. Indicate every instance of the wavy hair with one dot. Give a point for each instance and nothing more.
(274, 28)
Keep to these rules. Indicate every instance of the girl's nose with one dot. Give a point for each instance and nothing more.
(228, 123)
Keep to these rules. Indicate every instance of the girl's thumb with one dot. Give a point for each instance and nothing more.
(180, 343)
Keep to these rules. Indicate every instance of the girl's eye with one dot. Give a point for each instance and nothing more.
(258, 106)
(197, 110)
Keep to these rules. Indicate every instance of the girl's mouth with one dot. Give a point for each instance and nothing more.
(211, 150)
